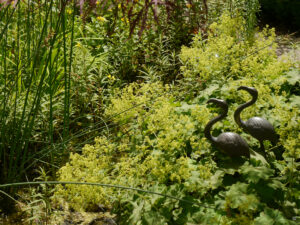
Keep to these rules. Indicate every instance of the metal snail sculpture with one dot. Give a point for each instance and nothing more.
(257, 127)
(230, 143)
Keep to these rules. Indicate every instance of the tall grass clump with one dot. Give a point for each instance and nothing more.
(34, 81)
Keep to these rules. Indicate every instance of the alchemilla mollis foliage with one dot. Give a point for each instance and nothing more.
(159, 145)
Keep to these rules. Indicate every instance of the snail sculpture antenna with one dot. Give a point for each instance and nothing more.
(230, 143)
(257, 127)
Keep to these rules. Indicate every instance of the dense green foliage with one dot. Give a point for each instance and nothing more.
(158, 144)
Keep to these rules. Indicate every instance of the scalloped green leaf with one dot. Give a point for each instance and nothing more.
(272, 217)
(293, 76)
(255, 174)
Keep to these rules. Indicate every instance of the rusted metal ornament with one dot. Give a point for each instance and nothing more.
(230, 143)
(257, 127)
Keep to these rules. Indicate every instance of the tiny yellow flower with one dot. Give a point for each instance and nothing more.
(125, 19)
(189, 5)
(119, 6)
(98, 2)
(12, 2)
(78, 45)
(69, 11)
(111, 77)
(101, 19)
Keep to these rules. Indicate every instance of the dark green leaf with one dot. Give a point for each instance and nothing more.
(254, 174)
(272, 217)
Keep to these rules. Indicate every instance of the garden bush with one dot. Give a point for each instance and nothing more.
(158, 142)
(228, 54)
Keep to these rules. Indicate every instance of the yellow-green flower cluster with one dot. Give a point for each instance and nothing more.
(157, 140)
(226, 54)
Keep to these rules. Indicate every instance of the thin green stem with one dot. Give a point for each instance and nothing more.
(105, 185)
(67, 81)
